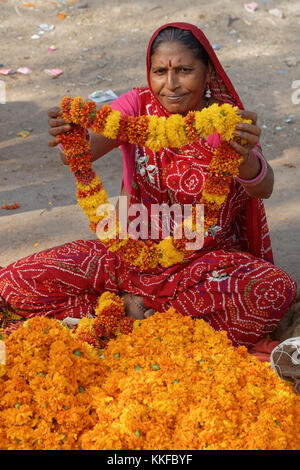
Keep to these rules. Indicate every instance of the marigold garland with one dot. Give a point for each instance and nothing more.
(156, 133)
(170, 383)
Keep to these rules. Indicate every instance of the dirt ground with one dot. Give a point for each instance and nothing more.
(101, 45)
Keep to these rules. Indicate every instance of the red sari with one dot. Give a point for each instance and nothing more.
(230, 282)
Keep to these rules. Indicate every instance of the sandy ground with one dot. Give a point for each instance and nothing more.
(102, 46)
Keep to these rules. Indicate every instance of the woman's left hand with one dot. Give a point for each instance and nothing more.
(246, 132)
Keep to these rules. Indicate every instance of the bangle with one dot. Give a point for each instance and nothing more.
(260, 176)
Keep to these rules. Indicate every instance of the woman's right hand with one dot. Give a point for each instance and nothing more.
(57, 125)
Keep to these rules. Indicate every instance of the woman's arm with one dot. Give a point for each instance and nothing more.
(250, 169)
(253, 165)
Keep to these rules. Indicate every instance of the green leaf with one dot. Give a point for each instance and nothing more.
(137, 433)
(176, 381)
(138, 368)
(201, 361)
(117, 355)
(81, 389)
(41, 374)
(155, 367)
(18, 404)
(77, 352)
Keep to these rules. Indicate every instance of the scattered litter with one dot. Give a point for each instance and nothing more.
(282, 72)
(291, 61)
(252, 6)
(46, 27)
(85, 49)
(62, 16)
(100, 96)
(70, 321)
(216, 47)
(123, 39)
(278, 128)
(5, 71)
(23, 134)
(52, 49)
(290, 165)
(10, 207)
(26, 4)
(289, 120)
(54, 72)
(35, 36)
(276, 12)
(239, 41)
(82, 5)
(10, 132)
(231, 20)
(36, 244)
(24, 70)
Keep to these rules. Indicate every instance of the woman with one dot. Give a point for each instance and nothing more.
(231, 281)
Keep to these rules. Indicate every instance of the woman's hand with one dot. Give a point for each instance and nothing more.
(57, 125)
(251, 166)
(246, 132)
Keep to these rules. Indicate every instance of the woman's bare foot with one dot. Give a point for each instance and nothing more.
(135, 307)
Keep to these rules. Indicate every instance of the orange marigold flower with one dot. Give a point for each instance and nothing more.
(190, 127)
(99, 119)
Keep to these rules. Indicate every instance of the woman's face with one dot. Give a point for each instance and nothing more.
(177, 78)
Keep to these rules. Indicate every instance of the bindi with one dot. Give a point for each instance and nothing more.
(170, 63)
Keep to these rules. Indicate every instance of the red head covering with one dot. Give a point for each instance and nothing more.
(220, 84)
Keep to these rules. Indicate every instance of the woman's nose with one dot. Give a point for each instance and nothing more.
(172, 81)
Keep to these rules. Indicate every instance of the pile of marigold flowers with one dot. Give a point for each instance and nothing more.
(172, 383)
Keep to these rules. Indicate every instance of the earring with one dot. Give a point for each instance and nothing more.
(208, 92)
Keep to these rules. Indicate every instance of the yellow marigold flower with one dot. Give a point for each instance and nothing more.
(169, 255)
(111, 127)
(85, 325)
(93, 184)
(106, 299)
(175, 131)
(93, 201)
(217, 198)
(154, 134)
(161, 132)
